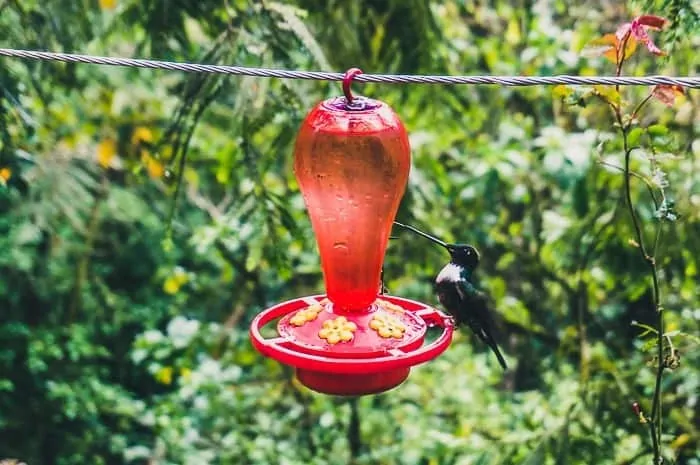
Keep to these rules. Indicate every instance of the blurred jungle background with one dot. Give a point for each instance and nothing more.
(123, 334)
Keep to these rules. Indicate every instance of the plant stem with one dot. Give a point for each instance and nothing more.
(640, 106)
(621, 52)
(650, 188)
(628, 196)
(655, 420)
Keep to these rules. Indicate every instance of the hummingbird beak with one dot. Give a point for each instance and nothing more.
(421, 233)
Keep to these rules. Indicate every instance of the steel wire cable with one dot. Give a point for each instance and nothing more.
(687, 82)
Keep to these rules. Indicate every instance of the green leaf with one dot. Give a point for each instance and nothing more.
(634, 135)
(609, 93)
(657, 130)
(27, 234)
(255, 255)
(562, 91)
(648, 328)
(649, 345)
(580, 195)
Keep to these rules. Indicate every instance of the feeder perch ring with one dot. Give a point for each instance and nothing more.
(345, 373)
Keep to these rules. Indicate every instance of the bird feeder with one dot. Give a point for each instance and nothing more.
(352, 160)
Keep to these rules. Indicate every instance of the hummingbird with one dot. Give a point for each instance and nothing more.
(457, 293)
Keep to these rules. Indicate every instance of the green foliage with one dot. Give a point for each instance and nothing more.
(123, 323)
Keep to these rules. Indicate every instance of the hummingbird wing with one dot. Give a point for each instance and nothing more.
(450, 298)
(474, 310)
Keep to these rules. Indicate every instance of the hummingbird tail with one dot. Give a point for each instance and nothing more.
(486, 336)
(499, 355)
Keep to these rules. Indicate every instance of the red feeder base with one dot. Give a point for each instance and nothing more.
(352, 385)
(351, 353)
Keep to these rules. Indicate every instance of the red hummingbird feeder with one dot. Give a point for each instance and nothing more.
(352, 160)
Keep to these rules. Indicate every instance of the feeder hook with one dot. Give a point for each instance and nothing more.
(347, 81)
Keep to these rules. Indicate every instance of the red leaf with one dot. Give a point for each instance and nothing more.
(640, 34)
(638, 27)
(622, 31)
(667, 94)
(653, 22)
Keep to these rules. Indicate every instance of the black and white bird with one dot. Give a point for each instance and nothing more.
(457, 293)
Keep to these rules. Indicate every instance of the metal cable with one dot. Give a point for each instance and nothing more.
(688, 82)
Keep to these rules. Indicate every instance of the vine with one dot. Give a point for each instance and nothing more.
(618, 47)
